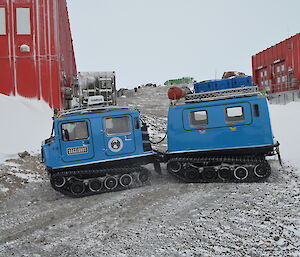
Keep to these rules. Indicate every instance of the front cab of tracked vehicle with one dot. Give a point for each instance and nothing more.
(99, 137)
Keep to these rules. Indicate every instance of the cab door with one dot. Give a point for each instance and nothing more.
(76, 140)
(118, 135)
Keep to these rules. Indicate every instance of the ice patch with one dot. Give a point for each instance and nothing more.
(28, 177)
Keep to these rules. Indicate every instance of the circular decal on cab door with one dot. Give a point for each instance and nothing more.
(115, 144)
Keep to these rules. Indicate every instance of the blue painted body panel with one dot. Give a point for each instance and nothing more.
(213, 85)
(219, 134)
(96, 146)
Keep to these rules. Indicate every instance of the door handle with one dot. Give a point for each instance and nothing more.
(128, 138)
(86, 142)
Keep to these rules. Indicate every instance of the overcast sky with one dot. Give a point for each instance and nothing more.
(156, 40)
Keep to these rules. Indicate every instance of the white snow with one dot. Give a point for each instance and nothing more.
(28, 177)
(285, 123)
(25, 123)
(3, 189)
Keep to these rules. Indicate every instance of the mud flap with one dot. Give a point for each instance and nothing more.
(157, 167)
(279, 156)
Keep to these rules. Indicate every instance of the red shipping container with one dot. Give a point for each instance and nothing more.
(36, 54)
(277, 68)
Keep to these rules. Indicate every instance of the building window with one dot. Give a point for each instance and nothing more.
(2, 22)
(234, 114)
(261, 74)
(74, 131)
(282, 67)
(278, 80)
(117, 126)
(265, 73)
(278, 68)
(283, 78)
(23, 21)
(198, 119)
(266, 83)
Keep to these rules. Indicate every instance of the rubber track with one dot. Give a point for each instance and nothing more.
(82, 175)
(213, 161)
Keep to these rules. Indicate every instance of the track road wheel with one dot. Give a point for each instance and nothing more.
(174, 166)
(59, 181)
(77, 188)
(209, 173)
(224, 173)
(95, 185)
(110, 183)
(143, 176)
(240, 173)
(262, 170)
(192, 173)
(125, 180)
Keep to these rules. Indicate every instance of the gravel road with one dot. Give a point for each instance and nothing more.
(165, 218)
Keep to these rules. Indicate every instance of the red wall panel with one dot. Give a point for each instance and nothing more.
(6, 63)
(49, 66)
(276, 69)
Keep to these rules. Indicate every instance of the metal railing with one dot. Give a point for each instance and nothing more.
(222, 94)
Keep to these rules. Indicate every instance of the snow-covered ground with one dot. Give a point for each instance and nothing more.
(166, 218)
(286, 122)
(24, 124)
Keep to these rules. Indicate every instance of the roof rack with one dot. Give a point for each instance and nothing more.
(89, 109)
(222, 94)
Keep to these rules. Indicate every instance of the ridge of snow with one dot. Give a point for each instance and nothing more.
(25, 123)
(285, 121)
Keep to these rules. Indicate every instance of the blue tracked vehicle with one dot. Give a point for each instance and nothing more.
(97, 150)
(221, 136)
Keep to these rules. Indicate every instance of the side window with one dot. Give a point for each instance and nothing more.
(234, 114)
(198, 119)
(2, 21)
(74, 131)
(256, 110)
(117, 126)
(23, 21)
(136, 123)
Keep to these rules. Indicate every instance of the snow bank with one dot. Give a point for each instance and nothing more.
(24, 124)
(286, 123)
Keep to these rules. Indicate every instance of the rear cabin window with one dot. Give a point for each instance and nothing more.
(256, 110)
(234, 114)
(2, 22)
(75, 131)
(198, 119)
(117, 126)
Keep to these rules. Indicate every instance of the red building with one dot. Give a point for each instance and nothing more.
(277, 68)
(36, 54)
